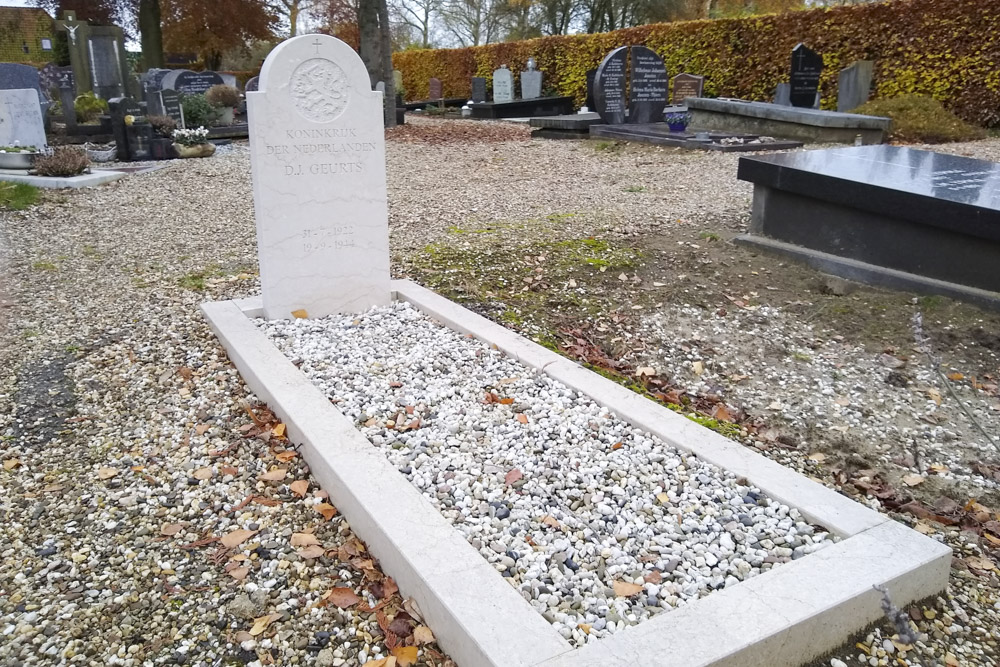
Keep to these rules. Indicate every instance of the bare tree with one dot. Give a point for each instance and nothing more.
(472, 22)
(290, 10)
(417, 15)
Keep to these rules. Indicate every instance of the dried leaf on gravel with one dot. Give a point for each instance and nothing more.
(913, 480)
(286, 455)
(341, 597)
(300, 314)
(698, 368)
(10, 464)
(513, 476)
(260, 624)
(275, 475)
(327, 510)
(239, 573)
(980, 563)
(236, 538)
(423, 635)
(817, 457)
(102, 473)
(381, 662)
(202, 473)
(523, 418)
(300, 487)
(402, 625)
(550, 521)
(313, 551)
(228, 470)
(624, 589)
(405, 655)
(171, 529)
(278, 431)
(304, 539)
(653, 577)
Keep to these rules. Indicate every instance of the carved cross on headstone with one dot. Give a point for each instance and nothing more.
(70, 25)
(317, 44)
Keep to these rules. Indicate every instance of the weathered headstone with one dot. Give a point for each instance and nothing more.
(589, 102)
(186, 82)
(152, 78)
(531, 82)
(397, 80)
(435, 89)
(229, 80)
(97, 55)
(478, 89)
(609, 87)
(687, 85)
(170, 105)
(854, 84)
(647, 86)
(252, 84)
(317, 148)
(503, 85)
(807, 65)
(21, 118)
(380, 87)
(132, 139)
(18, 77)
(783, 95)
(63, 81)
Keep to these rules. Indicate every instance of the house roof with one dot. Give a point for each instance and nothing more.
(23, 21)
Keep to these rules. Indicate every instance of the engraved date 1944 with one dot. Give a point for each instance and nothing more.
(328, 238)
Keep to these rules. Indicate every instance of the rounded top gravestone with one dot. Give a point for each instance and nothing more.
(317, 155)
(647, 86)
(609, 87)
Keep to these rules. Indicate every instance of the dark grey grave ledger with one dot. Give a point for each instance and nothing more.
(478, 89)
(807, 65)
(609, 87)
(647, 86)
(133, 141)
(435, 89)
(687, 85)
(854, 84)
(590, 103)
(871, 212)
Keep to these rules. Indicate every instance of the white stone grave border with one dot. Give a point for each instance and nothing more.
(784, 617)
(90, 180)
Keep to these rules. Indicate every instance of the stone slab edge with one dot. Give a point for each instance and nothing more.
(800, 115)
(478, 618)
(872, 274)
(787, 616)
(817, 503)
(82, 181)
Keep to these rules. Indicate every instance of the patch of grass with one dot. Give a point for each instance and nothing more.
(709, 236)
(44, 266)
(801, 356)
(731, 431)
(931, 302)
(921, 119)
(90, 251)
(635, 188)
(17, 196)
(607, 146)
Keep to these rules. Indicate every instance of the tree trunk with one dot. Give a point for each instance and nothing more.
(293, 17)
(385, 42)
(150, 33)
(370, 41)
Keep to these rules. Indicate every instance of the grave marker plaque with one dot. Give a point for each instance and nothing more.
(503, 85)
(609, 87)
(186, 82)
(687, 85)
(435, 89)
(170, 105)
(807, 65)
(478, 89)
(854, 84)
(21, 119)
(647, 86)
(531, 82)
(317, 148)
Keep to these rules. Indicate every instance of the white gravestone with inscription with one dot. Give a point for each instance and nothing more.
(317, 149)
(503, 85)
(21, 120)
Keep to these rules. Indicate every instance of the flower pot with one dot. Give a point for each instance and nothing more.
(225, 116)
(198, 150)
(677, 127)
(17, 160)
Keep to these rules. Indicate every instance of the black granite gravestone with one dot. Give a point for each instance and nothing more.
(478, 89)
(62, 79)
(609, 87)
(647, 86)
(889, 215)
(195, 83)
(807, 65)
(133, 134)
(589, 103)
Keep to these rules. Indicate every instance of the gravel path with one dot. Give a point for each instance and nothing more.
(98, 317)
(599, 525)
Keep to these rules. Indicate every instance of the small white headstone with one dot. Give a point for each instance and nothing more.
(21, 118)
(503, 85)
(317, 149)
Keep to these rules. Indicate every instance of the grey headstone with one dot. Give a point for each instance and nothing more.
(647, 86)
(531, 82)
(380, 87)
(807, 65)
(170, 105)
(252, 84)
(397, 80)
(854, 84)
(478, 89)
(687, 85)
(230, 80)
(104, 53)
(609, 87)
(18, 77)
(435, 89)
(503, 85)
(151, 78)
(783, 95)
(21, 118)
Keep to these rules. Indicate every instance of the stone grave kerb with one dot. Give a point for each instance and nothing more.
(317, 147)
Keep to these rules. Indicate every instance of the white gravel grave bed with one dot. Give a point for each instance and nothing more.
(598, 524)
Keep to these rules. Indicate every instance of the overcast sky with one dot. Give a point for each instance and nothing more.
(15, 3)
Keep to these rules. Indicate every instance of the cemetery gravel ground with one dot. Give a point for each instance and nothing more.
(114, 393)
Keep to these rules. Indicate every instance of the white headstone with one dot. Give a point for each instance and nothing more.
(503, 85)
(21, 118)
(317, 149)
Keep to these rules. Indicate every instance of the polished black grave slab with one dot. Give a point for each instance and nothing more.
(537, 106)
(888, 215)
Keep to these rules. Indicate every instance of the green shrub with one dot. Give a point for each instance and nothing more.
(17, 196)
(88, 107)
(197, 111)
(222, 96)
(919, 119)
(64, 161)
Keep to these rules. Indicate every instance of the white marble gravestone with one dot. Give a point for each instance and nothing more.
(21, 120)
(503, 85)
(317, 149)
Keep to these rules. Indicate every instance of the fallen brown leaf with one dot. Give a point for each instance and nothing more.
(624, 589)
(286, 455)
(341, 597)
(228, 470)
(278, 431)
(523, 418)
(300, 487)
(202, 473)
(236, 538)
(239, 573)
(405, 655)
(300, 314)
(913, 480)
(304, 539)
(312, 551)
(102, 473)
(260, 624)
(275, 475)
(170, 529)
(423, 635)
(327, 510)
